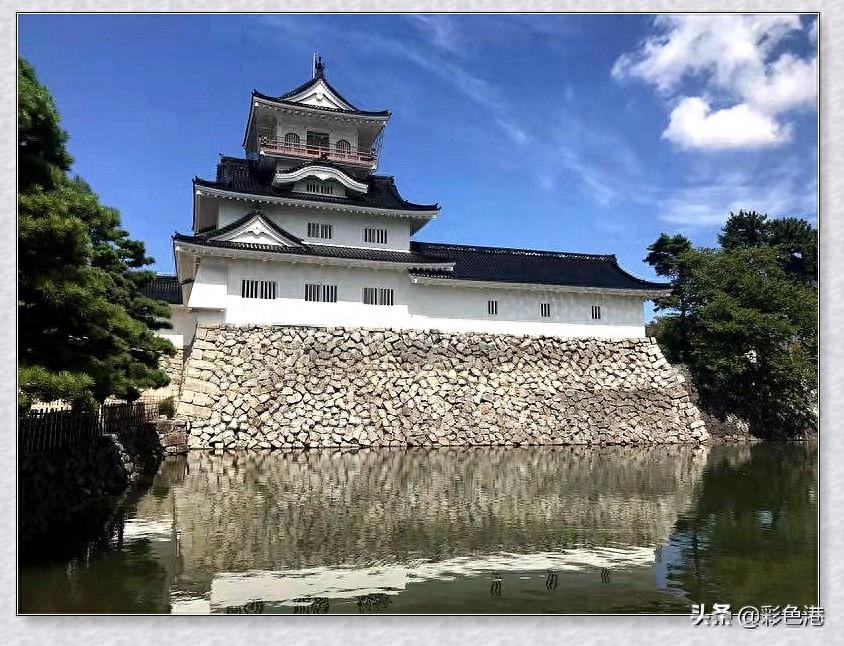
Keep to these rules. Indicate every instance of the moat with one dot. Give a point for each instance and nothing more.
(524, 530)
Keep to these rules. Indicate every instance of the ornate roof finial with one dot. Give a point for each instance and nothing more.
(319, 67)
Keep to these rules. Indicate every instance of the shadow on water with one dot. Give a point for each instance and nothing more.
(536, 530)
(751, 537)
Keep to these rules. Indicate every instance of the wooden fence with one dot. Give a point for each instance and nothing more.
(48, 430)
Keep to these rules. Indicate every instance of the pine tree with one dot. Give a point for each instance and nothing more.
(85, 331)
(749, 319)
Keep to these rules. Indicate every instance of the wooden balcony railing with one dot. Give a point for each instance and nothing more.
(353, 156)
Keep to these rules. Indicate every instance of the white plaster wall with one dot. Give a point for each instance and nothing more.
(457, 309)
(335, 132)
(183, 328)
(347, 227)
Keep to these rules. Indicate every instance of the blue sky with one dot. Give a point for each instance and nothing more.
(573, 132)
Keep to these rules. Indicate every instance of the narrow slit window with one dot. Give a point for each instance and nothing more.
(319, 230)
(545, 310)
(322, 188)
(378, 236)
(492, 308)
(378, 296)
(265, 289)
(317, 293)
(596, 312)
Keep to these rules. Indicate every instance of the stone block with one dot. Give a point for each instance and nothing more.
(290, 386)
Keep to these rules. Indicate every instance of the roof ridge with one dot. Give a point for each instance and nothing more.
(287, 102)
(254, 213)
(350, 200)
(520, 251)
(327, 251)
(313, 81)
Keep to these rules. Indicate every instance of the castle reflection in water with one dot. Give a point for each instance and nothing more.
(606, 529)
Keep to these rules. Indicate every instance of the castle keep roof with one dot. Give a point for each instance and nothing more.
(294, 246)
(248, 177)
(530, 266)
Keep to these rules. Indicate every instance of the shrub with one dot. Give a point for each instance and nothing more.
(167, 408)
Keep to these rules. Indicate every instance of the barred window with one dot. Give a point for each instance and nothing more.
(492, 308)
(596, 312)
(343, 147)
(378, 236)
(320, 293)
(377, 296)
(323, 188)
(545, 310)
(291, 139)
(257, 289)
(319, 230)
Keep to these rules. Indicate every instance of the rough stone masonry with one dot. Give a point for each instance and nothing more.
(274, 387)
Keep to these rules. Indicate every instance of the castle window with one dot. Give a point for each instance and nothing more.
(596, 312)
(321, 188)
(257, 289)
(378, 236)
(492, 308)
(320, 293)
(319, 230)
(545, 310)
(291, 139)
(343, 147)
(317, 141)
(377, 296)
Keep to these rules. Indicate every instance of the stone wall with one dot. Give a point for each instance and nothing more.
(174, 368)
(269, 387)
(723, 427)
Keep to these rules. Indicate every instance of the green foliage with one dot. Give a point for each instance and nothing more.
(42, 156)
(754, 338)
(668, 331)
(167, 407)
(85, 331)
(794, 239)
(744, 317)
(797, 245)
(744, 229)
(665, 256)
(39, 384)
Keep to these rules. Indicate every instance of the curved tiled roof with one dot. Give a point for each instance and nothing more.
(318, 251)
(301, 248)
(531, 266)
(284, 233)
(245, 176)
(293, 104)
(164, 287)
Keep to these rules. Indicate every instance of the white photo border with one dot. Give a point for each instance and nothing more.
(490, 630)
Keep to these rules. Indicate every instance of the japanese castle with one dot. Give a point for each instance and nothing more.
(304, 231)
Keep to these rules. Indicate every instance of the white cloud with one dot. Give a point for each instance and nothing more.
(738, 58)
(789, 82)
(786, 190)
(693, 124)
(440, 29)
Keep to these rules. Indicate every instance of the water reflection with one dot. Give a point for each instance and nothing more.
(481, 530)
(752, 534)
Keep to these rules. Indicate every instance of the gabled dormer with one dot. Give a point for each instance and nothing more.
(255, 228)
(314, 122)
(318, 179)
(318, 92)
